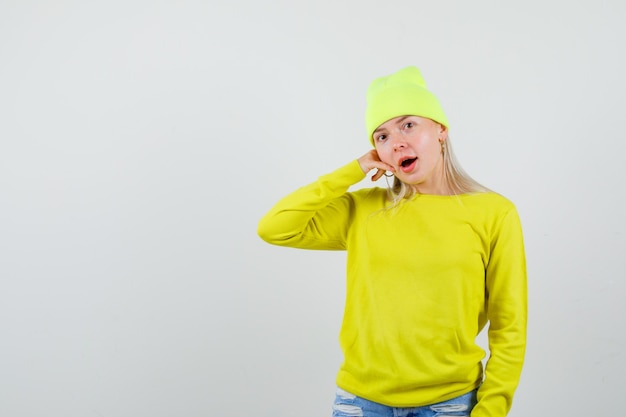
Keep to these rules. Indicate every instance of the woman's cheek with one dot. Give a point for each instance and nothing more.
(386, 158)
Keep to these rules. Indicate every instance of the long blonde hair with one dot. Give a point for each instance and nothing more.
(456, 179)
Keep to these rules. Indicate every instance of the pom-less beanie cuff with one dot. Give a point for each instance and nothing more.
(403, 93)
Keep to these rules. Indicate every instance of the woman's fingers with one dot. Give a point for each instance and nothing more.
(371, 161)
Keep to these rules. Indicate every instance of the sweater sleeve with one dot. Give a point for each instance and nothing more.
(316, 216)
(506, 282)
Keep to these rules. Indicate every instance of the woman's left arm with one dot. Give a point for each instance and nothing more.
(506, 283)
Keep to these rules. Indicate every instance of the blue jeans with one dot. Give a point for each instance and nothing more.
(349, 405)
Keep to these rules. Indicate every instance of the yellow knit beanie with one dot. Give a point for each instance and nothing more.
(403, 93)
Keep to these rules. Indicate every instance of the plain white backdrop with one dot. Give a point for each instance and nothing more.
(141, 141)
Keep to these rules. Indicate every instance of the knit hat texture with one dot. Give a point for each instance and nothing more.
(403, 93)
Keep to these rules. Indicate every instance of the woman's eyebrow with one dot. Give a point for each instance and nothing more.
(402, 119)
(380, 129)
(399, 121)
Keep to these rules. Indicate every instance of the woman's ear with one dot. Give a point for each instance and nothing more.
(443, 133)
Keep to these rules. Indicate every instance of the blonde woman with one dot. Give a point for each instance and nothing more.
(430, 262)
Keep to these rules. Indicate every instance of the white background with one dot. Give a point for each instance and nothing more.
(141, 141)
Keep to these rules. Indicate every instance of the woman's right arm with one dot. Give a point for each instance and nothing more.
(314, 216)
(317, 216)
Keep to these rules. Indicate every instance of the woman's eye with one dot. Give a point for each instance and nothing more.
(381, 138)
(408, 125)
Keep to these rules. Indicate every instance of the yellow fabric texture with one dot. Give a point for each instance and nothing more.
(423, 279)
(402, 93)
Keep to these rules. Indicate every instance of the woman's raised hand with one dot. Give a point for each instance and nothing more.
(371, 161)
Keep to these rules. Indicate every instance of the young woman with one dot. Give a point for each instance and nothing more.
(431, 261)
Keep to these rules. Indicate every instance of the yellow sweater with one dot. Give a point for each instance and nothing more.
(423, 279)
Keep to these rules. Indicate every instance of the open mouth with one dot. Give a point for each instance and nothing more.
(407, 162)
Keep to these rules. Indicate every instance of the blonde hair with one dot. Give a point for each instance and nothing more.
(456, 179)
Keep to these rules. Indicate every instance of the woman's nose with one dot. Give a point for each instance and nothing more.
(398, 144)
